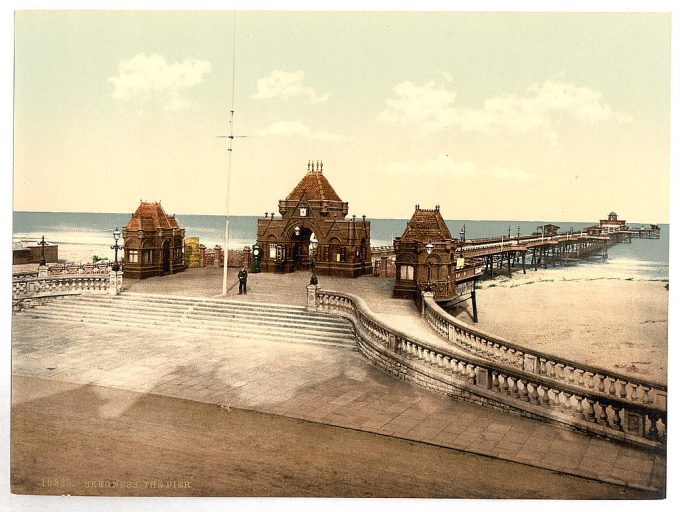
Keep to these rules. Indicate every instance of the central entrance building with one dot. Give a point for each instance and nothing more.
(313, 233)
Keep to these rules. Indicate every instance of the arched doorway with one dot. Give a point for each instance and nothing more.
(304, 249)
(166, 257)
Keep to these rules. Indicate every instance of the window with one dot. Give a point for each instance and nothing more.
(133, 256)
(148, 256)
(272, 251)
(406, 272)
(303, 212)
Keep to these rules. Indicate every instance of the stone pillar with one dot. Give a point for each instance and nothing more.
(383, 266)
(115, 282)
(426, 295)
(218, 254)
(201, 255)
(42, 270)
(311, 297)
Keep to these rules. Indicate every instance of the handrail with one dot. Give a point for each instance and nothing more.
(473, 376)
(495, 347)
(27, 287)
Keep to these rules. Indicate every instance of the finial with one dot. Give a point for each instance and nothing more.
(308, 164)
(321, 171)
(266, 215)
(417, 207)
(436, 207)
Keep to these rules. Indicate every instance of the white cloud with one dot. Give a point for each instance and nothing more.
(447, 166)
(501, 173)
(298, 129)
(440, 165)
(152, 77)
(284, 84)
(431, 107)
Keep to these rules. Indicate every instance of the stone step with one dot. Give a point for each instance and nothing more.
(255, 316)
(279, 334)
(334, 325)
(215, 305)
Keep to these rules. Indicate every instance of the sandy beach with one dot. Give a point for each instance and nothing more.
(573, 312)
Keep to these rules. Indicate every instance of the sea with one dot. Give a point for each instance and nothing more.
(81, 236)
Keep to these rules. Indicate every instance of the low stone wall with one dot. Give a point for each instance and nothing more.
(463, 375)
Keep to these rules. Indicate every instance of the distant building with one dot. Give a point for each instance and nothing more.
(22, 254)
(547, 230)
(612, 223)
(153, 243)
(313, 232)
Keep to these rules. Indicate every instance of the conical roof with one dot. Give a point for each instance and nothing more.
(426, 226)
(315, 186)
(150, 217)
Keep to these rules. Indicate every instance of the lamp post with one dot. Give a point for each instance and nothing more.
(462, 238)
(429, 248)
(42, 245)
(115, 246)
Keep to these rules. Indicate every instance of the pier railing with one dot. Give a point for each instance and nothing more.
(575, 396)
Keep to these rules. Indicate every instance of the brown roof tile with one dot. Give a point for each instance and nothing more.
(150, 217)
(316, 187)
(426, 226)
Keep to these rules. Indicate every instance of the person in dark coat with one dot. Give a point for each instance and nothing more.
(243, 281)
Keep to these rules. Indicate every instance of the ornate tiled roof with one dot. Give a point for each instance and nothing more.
(426, 226)
(150, 217)
(315, 186)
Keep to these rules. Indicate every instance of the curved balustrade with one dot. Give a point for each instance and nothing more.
(33, 286)
(585, 377)
(490, 372)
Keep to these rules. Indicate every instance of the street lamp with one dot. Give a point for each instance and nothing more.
(429, 248)
(462, 238)
(116, 237)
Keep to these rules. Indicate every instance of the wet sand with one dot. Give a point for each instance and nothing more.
(62, 443)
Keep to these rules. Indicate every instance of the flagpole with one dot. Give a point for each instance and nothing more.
(229, 151)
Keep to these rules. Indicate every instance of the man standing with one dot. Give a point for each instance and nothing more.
(243, 281)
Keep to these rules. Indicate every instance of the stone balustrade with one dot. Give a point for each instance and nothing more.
(477, 376)
(585, 377)
(54, 285)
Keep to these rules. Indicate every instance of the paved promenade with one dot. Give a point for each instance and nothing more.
(330, 385)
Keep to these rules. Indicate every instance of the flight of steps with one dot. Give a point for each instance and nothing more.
(198, 315)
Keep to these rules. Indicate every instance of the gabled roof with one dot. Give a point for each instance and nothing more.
(426, 226)
(315, 187)
(150, 217)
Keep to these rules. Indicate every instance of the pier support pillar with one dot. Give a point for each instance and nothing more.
(524, 268)
(473, 296)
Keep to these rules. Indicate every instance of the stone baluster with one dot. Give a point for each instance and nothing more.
(514, 389)
(566, 406)
(495, 385)
(600, 382)
(505, 387)
(589, 410)
(634, 395)
(533, 395)
(524, 392)
(590, 380)
(578, 410)
(616, 421)
(603, 418)
(580, 378)
(623, 392)
(545, 397)
(653, 432)
(542, 370)
(471, 375)
(612, 385)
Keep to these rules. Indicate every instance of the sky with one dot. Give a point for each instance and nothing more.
(526, 116)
